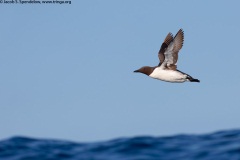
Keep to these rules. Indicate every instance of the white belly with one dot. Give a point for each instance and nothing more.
(168, 75)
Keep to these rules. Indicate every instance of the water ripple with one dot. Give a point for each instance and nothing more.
(224, 145)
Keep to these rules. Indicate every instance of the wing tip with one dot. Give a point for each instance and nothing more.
(181, 34)
(168, 39)
(180, 31)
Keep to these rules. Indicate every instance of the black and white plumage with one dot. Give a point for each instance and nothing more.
(168, 56)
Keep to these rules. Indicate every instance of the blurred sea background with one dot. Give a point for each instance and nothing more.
(223, 145)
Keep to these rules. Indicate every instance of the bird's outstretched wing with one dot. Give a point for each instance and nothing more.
(165, 44)
(171, 52)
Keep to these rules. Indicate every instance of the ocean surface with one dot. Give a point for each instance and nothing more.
(223, 145)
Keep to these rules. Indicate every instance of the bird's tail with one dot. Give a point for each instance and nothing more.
(191, 79)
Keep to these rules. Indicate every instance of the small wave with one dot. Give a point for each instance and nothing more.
(224, 145)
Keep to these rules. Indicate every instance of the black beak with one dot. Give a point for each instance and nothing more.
(136, 71)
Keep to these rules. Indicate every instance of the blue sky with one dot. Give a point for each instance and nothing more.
(66, 71)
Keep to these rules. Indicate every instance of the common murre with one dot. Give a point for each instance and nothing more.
(168, 56)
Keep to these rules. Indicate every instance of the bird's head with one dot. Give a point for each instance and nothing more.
(145, 70)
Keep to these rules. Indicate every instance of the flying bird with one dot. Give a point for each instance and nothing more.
(168, 56)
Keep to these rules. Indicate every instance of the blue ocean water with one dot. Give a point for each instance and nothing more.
(224, 145)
